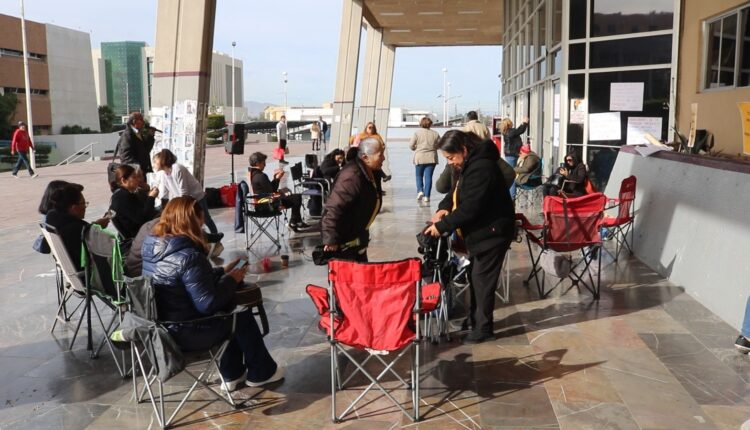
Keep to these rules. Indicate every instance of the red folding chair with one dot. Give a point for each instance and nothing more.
(569, 225)
(374, 307)
(621, 225)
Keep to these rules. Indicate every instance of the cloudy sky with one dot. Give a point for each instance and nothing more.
(296, 36)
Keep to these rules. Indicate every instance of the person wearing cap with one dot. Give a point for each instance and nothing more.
(21, 144)
(528, 168)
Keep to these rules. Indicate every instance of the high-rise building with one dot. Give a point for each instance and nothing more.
(60, 75)
(125, 73)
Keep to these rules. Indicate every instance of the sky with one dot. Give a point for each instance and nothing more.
(300, 37)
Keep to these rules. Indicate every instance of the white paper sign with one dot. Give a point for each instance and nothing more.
(626, 96)
(604, 126)
(577, 111)
(638, 126)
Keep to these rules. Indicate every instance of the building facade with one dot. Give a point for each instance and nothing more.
(60, 74)
(125, 73)
(592, 76)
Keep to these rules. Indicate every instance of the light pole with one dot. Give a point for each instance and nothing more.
(447, 102)
(233, 92)
(445, 97)
(29, 119)
(284, 77)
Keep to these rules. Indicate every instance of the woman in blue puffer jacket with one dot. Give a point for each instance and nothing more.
(188, 288)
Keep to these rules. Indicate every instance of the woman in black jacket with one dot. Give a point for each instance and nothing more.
(512, 144)
(188, 288)
(132, 209)
(575, 175)
(481, 212)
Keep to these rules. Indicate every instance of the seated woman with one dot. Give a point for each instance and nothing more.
(332, 163)
(131, 210)
(260, 184)
(188, 288)
(528, 167)
(45, 205)
(66, 216)
(573, 173)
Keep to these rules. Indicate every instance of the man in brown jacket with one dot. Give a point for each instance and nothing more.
(474, 126)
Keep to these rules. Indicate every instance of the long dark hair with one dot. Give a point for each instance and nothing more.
(454, 142)
(66, 196)
(46, 204)
(574, 156)
(332, 155)
(123, 173)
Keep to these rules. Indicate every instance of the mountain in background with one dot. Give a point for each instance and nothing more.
(255, 108)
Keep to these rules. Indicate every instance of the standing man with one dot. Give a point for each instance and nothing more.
(136, 143)
(474, 126)
(281, 134)
(323, 130)
(21, 144)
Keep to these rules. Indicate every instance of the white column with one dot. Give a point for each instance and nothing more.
(29, 117)
(346, 73)
(383, 101)
(370, 81)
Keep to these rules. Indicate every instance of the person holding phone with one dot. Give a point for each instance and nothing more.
(128, 209)
(188, 288)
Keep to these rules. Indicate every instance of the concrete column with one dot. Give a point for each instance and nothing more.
(384, 86)
(346, 73)
(370, 82)
(182, 71)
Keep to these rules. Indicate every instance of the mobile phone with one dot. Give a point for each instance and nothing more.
(110, 214)
(240, 264)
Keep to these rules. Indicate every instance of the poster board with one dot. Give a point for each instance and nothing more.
(626, 96)
(693, 124)
(179, 123)
(744, 108)
(605, 126)
(638, 126)
(577, 111)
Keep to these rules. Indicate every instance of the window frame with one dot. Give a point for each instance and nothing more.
(706, 35)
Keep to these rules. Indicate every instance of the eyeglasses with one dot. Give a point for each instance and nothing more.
(568, 159)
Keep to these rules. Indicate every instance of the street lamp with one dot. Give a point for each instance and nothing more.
(233, 91)
(445, 97)
(284, 77)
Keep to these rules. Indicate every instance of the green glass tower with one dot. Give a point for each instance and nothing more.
(124, 63)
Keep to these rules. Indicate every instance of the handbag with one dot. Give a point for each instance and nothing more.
(112, 170)
(278, 153)
(228, 195)
(250, 295)
(40, 245)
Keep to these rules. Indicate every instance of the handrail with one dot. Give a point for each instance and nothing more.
(88, 149)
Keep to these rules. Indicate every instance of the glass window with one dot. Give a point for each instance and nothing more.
(576, 90)
(744, 78)
(630, 52)
(556, 62)
(720, 55)
(728, 46)
(600, 162)
(556, 21)
(577, 22)
(611, 17)
(577, 56)
(543, 30)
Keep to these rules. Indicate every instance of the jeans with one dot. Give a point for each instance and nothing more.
(207, 216)
(22, 159)
(746, 320)
(246, 351)
(424, 178)
(512, 160)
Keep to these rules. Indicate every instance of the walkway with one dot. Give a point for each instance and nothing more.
(646, 356)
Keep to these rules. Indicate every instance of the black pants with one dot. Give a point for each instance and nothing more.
(293, 202)
(485, 272)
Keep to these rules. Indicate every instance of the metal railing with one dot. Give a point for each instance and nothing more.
(88, 149)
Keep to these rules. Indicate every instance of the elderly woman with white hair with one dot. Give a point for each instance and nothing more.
(354, 202)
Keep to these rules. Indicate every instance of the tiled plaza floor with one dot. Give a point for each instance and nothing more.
(645, 356)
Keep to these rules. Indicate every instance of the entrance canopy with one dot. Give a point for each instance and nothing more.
(406, 23)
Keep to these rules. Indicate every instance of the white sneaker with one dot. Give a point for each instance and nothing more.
(277, 376)
(233, 385)
(426, 199)
(34, 175)
(216, 250)
(15, 176)
(420, 195)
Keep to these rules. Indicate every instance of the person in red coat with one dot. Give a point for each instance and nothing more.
(21, 144)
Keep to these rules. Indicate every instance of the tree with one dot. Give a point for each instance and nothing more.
(8, 103)
(106, 119)
(76, 129)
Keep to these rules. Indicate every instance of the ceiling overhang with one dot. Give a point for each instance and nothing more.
(407, 23)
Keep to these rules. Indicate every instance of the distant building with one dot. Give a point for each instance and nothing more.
(126, 76)
(398, 117)
(100, 77)
(60, 74)
(402, 117)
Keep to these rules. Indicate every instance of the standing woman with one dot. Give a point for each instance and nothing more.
(481, 212)
(354, 202)
(512, 144)
(424, 143)
(175, 180)
(315, 136)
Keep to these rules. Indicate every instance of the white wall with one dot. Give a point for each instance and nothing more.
(72, 92)
(100, 77)
(692, 227)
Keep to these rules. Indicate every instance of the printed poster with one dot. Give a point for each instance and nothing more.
(694, 124)
(638, 126)
(626, 96)
(604, 126)
(577, 111)
(744, 108)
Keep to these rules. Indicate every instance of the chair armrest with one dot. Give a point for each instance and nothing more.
(218, 315)
(525, 224)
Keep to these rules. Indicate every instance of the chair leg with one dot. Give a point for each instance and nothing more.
(334, 370)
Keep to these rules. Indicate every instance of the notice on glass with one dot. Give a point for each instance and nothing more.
(626, 96)
(577, 111)
(604, 126)
(639, 126)
(744, 108)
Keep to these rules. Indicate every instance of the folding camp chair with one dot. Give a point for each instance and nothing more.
(264, 214)
(618, 227)
(528, 195)
(159, 358)
(569, 225)
(374, 307)
(308, 186)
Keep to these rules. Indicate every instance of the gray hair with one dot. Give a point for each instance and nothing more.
(369, 146)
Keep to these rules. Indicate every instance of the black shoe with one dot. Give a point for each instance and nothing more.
(214, 237)
(476, 337)
(302, 225)
(386, 178)
(742, 344)
(283, 162)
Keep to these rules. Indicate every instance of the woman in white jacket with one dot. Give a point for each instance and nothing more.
(175, 180)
